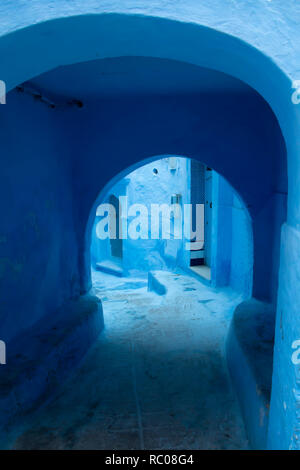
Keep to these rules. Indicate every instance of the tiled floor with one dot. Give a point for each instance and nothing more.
(156, 378)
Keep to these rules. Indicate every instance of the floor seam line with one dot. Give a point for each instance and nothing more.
(137, 402)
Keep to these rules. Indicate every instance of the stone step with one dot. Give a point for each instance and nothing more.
(42, 357)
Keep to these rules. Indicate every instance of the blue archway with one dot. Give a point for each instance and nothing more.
(77, 39)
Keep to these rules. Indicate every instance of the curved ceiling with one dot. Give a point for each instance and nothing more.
(113, 77)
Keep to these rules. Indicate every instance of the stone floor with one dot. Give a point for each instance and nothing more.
(155, 379)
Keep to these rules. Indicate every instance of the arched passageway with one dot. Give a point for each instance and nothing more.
(171, 212)
(165, 324)
(237, 122)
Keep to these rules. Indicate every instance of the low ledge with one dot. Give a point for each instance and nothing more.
(154, 285)
(43, 357)
(249, 350)
(109, 267)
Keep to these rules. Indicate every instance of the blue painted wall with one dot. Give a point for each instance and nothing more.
(232, 245)
(38, 266)
(157, 188)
